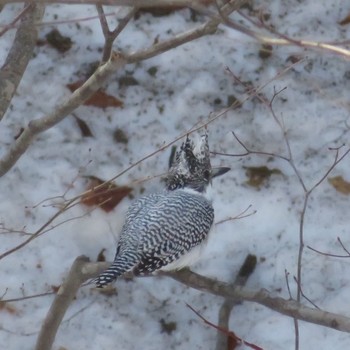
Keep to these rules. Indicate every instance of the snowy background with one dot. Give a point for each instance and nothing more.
(189, 83)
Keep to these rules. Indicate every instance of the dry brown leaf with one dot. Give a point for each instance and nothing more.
(258, 175)
(340, 184)
(106, 196)
(345, 20)
(101, 256)
(8, 308)
(58, 41)
(167, 327)
(84, 128)
(99, 99)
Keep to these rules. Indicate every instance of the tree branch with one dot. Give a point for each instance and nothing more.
(65, 295)
(37, 126)
(285, 307)
(244, 273)
(111, 35)
(83, 270)
(19, 55)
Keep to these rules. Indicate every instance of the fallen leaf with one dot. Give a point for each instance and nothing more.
(84, 128)
(106, 196)
(345, 20)
(4, 306)
(265, 51)
(99, 99)
(101, 256)
(120, 136)
(127, 80)
(152, 71)
(167, 327)
(58, 41)
(258, 175)
(340, 184)
(294, 58)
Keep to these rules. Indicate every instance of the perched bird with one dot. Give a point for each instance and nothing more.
(167, 230)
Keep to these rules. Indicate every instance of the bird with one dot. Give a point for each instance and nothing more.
(167, 230)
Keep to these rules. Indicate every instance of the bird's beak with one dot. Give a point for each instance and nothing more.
(219, 171)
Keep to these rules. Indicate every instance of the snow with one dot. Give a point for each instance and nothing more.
(190, 83)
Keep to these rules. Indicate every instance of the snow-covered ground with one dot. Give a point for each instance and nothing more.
(189, 83)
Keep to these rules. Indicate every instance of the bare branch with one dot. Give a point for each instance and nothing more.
(244, 273)
(5, 28)
(36, 234)
(333, 255)
(343, 246)
(109, 35)
(65, 295)
(281, 40)
(42, 124)
(19, 55)
(285, 307)
(304, 295)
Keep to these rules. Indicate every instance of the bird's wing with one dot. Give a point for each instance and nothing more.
(142, 202)
(175, 225)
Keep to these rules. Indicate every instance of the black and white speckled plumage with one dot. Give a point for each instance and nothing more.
(161, 229)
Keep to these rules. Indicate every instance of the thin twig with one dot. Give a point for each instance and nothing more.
(281, 40)
(111, 35)
(12, 300)
(40, 125)
(6, 27)
(330, 254)
(241, 215)
(304, 295)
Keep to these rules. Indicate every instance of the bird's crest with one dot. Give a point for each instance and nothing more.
(191, 167)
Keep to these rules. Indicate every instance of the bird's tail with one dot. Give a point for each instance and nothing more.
(119, 266)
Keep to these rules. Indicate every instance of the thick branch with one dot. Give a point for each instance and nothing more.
(285, 307)
(82, 270)
(65, 295)
(19, 55)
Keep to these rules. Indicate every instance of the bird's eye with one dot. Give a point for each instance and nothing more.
(206, 174)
